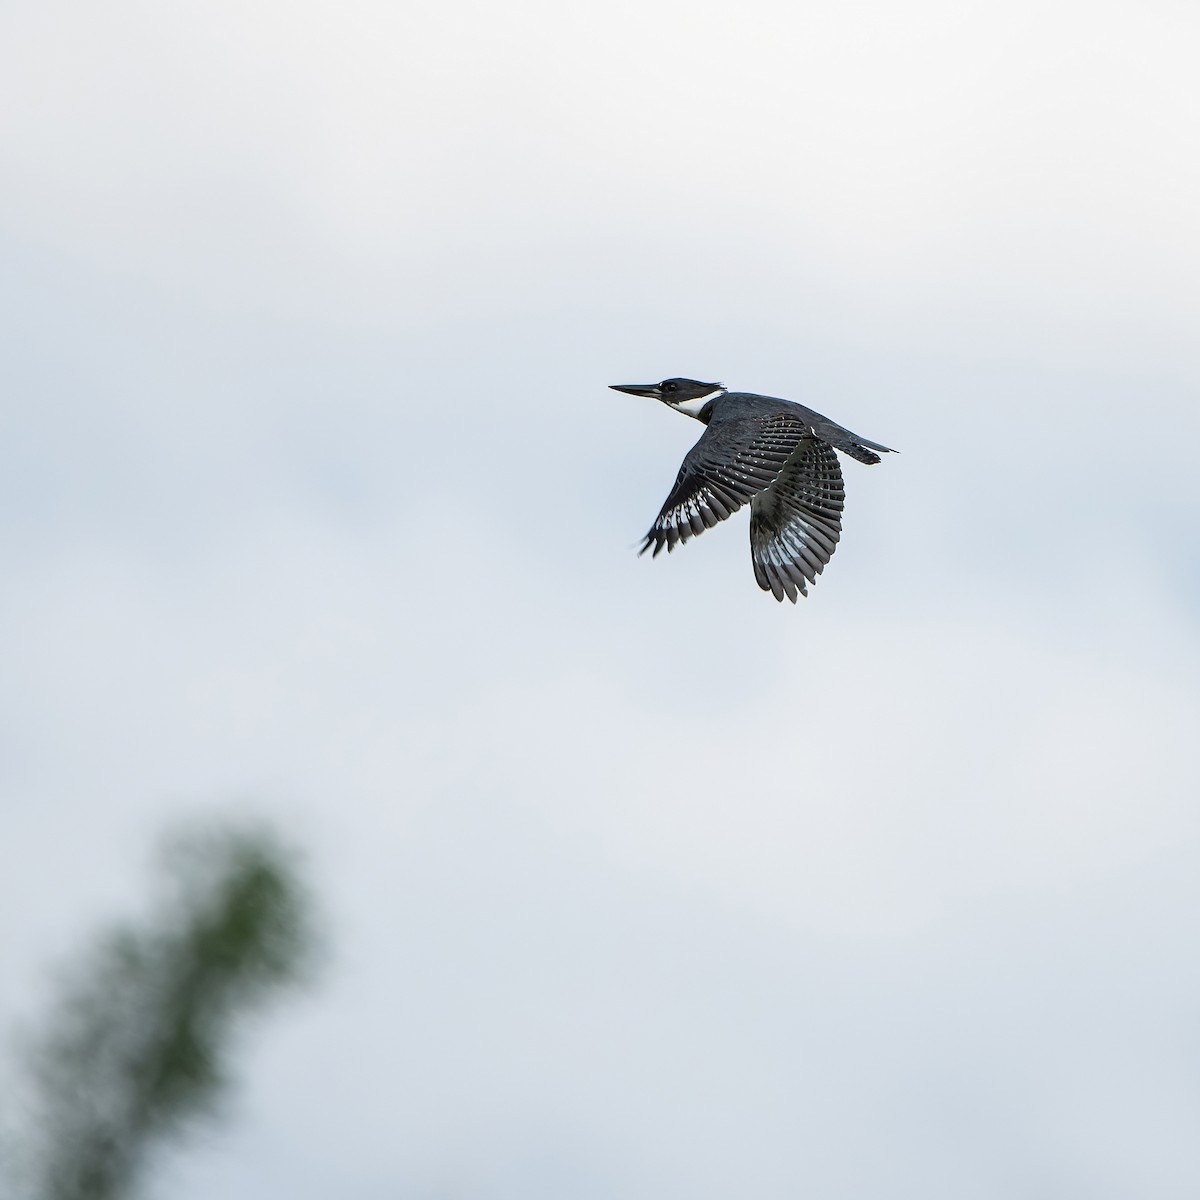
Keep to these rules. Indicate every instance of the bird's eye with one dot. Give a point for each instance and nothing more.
(670, 387)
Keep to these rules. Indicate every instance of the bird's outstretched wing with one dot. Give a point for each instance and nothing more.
(731, 464)
(796, 523)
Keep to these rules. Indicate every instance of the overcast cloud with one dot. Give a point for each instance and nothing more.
(315, 504)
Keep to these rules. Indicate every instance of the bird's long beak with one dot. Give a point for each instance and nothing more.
(638, 389)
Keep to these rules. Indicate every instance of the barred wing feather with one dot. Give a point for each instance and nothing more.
(729, 466)
(795, 524)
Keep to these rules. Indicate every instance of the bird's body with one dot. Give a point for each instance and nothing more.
(775, 455)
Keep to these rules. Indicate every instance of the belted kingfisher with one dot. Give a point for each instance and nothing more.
(774, 453)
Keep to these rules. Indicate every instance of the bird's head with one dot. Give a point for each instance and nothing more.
(686, 395)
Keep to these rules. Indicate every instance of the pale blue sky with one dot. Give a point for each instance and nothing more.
(315, 502)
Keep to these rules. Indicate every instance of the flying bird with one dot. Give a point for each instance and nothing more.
(777, 456)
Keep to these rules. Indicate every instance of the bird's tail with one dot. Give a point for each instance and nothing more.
(859, 452)
(859, 448)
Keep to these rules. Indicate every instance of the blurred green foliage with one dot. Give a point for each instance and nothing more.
(137, 1049)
